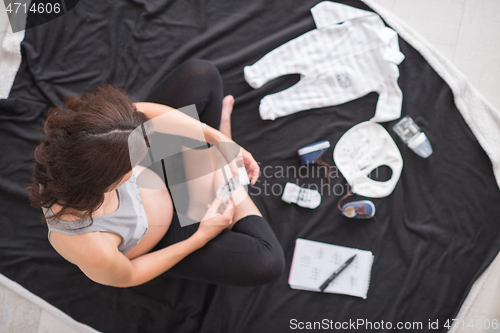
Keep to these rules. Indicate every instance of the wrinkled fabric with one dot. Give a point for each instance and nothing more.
(434, 235)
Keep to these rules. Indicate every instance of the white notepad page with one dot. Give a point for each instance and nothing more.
(314, 262)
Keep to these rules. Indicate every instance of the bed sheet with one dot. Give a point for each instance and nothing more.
(434, 236)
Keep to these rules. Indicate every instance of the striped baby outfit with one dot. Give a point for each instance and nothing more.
(349, 55)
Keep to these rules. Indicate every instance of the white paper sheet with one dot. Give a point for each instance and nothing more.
(314, 262)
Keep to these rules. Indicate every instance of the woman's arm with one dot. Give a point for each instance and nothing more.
(110, 267)
(178, 123)
(172, 121)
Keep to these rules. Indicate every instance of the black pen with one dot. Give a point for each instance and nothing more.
(336, 273)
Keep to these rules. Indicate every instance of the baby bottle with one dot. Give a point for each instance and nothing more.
(411, 134)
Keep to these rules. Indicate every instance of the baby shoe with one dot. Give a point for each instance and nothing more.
(313, 154)
(301, 196)
(363, 209)
(310, 153)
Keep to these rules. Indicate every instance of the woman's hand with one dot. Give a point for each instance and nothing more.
(236, 156)
(251, 166)
(214, 222)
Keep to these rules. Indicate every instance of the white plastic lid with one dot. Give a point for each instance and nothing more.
(417, 141)
(314, 147)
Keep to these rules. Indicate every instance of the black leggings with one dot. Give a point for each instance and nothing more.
(247, 255)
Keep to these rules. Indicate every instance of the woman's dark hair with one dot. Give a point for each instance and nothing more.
(85, 151)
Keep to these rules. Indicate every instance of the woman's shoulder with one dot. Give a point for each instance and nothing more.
(97, 258)
(92, 248)
(56, 208)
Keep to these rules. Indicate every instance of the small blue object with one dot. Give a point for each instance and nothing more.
(421, 145)
(310, 153)
(413, 136)
(363, 209)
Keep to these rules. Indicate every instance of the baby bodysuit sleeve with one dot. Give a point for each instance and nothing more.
(283, 60)
(327, 13)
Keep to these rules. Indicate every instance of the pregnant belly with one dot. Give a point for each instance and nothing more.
(159, 210)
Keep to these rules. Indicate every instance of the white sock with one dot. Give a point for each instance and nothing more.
(302, 196)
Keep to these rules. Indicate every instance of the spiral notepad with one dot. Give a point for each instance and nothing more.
(313, 262)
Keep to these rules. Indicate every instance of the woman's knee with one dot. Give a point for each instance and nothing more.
(267, 267)
(275, 266)
(203, 71)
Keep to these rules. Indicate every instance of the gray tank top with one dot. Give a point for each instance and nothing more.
(129, 220)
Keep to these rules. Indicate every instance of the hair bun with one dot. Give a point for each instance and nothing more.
(73, 103)
(58, 119)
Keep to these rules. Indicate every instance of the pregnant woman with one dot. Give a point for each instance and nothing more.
(123, 235)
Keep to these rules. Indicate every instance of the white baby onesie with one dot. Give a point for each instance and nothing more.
(349, 55)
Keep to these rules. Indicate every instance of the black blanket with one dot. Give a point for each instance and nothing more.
(434, 235)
